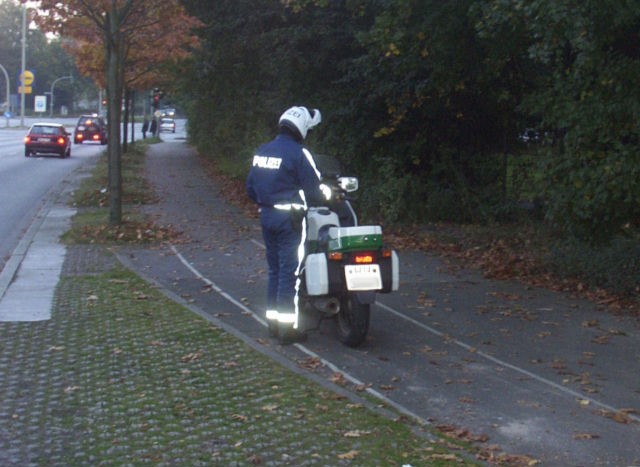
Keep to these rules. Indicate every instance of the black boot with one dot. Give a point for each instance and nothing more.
(272, 324)
(287, 335)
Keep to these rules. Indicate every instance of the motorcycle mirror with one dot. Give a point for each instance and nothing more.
(348, 184)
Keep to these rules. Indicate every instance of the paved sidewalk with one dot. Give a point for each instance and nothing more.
(29, 279)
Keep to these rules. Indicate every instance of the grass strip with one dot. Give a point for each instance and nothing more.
(148, 382)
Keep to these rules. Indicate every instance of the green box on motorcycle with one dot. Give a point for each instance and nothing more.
(347, 239)
(355, 260)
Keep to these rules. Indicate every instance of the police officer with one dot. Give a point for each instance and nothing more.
(282, 181)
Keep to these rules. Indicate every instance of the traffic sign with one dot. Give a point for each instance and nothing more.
(41, 103)
(27, 79)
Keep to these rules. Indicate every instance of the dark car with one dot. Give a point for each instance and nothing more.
(168, 112)
(529, 135)
(168, 124)
(47, 138)
(90, 128)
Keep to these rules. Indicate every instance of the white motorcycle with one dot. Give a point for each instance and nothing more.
(346, 265)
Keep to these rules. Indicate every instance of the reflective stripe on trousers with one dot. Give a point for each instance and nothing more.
(285, 318)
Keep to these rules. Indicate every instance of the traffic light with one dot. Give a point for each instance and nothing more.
(155, 97)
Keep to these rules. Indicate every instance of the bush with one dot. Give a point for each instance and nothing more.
(593, 195)
(615, 267)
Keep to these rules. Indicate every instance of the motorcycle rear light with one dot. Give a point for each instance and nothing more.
(363, 258)
(335, 256)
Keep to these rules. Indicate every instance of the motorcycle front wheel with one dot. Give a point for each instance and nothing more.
(353, 321)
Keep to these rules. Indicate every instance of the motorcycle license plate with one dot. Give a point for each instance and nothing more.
(363, 277)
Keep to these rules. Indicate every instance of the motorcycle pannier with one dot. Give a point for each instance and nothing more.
(316, 274)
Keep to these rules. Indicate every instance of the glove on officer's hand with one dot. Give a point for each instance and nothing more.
(326, 191)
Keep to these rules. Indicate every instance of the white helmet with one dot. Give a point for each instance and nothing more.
(300, 119)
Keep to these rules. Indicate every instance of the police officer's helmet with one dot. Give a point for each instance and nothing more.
(300, 120)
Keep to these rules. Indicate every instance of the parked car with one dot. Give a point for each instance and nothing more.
(47, 138)
(90, 128)
(167, 124)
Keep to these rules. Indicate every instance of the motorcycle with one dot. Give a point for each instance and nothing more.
(345, 264)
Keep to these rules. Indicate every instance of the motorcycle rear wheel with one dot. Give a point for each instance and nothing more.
(352, 322)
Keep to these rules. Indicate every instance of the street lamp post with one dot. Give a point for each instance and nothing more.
(24, 59)
(52, 86)
(6, 77)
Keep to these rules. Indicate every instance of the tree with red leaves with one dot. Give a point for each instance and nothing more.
(120, 44)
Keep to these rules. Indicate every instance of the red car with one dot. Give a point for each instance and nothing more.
(90, 128)
(47, 138)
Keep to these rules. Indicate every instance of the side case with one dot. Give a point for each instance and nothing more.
(316, 274)
(390, 270)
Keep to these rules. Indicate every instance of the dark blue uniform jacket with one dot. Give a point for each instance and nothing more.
(278, 171)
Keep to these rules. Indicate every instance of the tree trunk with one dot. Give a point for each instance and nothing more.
(114, 101)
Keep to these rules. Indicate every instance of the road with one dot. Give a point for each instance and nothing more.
(27, 183)
(531, 371)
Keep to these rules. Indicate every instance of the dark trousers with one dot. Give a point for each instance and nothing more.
(282, 242)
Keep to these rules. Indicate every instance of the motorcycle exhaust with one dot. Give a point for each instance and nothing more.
(329, 306)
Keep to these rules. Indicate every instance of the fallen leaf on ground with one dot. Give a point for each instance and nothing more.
(356, 433)
(349, 455)
(444, 457)
(338, 378)
(604, 339)
(191, 357)
(590, 323)
(311, 363)
(619, 416)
